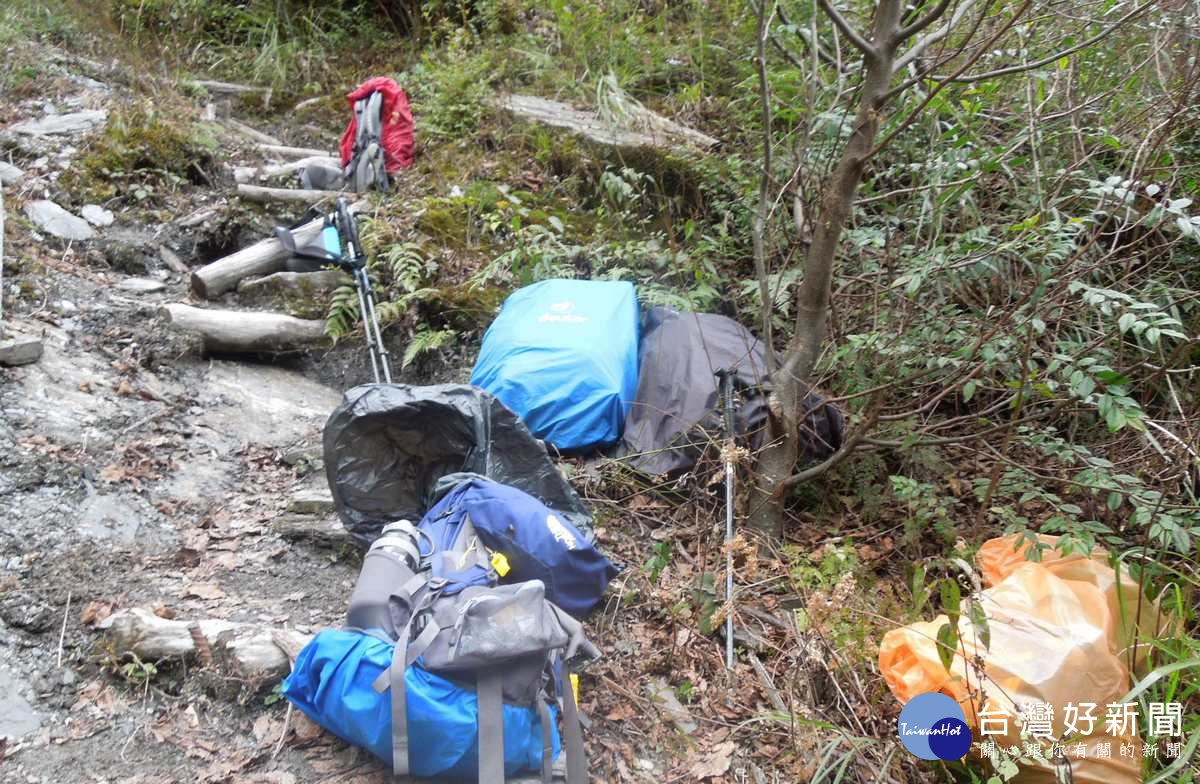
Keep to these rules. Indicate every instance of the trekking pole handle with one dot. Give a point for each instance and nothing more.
(348, 226)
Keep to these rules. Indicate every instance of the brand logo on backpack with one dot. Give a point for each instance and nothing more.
(560, 532)
(562, 313)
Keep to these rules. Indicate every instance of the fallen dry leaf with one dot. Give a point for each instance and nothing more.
(95, 612)
(264, 727)
(112, 473)
(125, 389)
(716, 762)
(622, 712)
(203, 591)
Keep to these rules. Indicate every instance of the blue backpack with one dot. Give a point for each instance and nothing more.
(332, 684)
(537, 543)
(563, 355)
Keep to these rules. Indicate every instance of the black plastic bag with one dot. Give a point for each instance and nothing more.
(387, 445)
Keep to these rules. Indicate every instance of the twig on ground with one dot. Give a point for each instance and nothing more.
(768, 684)
(62, 634)
(287, 721)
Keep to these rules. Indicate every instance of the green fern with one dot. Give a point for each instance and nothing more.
(343, 312)
(408, 265)
(426, 340)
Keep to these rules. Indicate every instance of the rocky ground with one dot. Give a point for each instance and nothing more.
(136, 471)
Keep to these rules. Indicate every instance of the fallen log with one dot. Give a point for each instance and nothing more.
(249, 173)
(261, 193)
(295, 152)
(227, 88)
(172, 260)
(240, 331)
(300, 294)
(244, 651)
(261, 258)
(248, 132)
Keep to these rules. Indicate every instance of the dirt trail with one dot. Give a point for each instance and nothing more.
(133, 472)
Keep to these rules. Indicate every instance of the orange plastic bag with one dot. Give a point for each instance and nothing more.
(1061, 632)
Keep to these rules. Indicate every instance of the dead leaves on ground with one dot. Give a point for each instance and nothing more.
(144, 460)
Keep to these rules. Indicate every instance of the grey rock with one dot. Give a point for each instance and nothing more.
(311, 502)
(68, 677)
(97, 215)
(89, 83)
(25, 610)
(298, 455)
(141, 285)
(54, 219)
(127, 249)
(9, 174)
(17, 716)
(20, 351)
(55, 124)
(66, 307)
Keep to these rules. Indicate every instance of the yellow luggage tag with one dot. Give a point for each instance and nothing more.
(500, 563)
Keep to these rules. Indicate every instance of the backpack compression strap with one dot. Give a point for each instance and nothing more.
(573, 734)
(491, 726)
(403, 655)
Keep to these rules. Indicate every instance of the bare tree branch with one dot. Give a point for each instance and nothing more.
(842, 24)
(946, 58)
(805, 36)
(849, 446)
(924, 42)
(1012, 69)
(904, 33)
(942, 84)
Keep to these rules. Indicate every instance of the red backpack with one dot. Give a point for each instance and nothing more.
(379, 139)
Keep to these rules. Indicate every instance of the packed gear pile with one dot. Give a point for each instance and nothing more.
(463, 635)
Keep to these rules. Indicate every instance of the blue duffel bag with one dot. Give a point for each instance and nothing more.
(563, 355)
(332, 683)
(536, 543)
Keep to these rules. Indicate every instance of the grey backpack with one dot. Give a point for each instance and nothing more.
(517, 647)
(366, 168)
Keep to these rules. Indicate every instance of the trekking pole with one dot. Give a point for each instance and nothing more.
(362, 309)
(356, 260)
(727, 383)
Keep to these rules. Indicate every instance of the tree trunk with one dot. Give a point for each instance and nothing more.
(791, 381)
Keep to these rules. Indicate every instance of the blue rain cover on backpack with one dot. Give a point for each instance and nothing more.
(331, 684)
(563, 355)
(538, 544)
